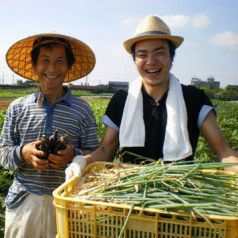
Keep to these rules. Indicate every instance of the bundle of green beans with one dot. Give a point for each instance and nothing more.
(178, 187)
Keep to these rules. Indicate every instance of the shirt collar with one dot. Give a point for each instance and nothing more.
(146, 95)
(67, 98)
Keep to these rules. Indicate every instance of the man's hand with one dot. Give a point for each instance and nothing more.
(32, 156)
(62, 158)
(76, 167)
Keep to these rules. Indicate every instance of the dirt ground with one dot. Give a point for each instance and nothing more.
(4, 102)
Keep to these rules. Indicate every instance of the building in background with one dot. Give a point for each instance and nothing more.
(210, 82)
(111, 87)
(117, 85)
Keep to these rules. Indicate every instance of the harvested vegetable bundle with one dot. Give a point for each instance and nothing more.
(52, 144)
(200, 189)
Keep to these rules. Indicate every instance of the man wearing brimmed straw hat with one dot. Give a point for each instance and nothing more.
(158, 117)
(51, 60)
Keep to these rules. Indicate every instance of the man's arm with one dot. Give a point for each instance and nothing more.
(215, 139)
(13, 154)
(10, 157)
(108, 148)
(105, 152)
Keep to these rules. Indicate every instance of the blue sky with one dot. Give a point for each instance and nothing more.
(209, 27)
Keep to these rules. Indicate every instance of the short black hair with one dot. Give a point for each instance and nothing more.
(49, 42)
(171, 50)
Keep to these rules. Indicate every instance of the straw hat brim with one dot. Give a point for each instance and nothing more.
(176, 40)
(18, 57)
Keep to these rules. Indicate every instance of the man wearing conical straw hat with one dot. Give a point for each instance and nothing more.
(51, 60)
(158, 117)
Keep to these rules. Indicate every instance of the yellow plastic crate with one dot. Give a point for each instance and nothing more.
(79, 218)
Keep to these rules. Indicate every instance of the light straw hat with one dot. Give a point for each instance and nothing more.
(152, 27)
(18, 56)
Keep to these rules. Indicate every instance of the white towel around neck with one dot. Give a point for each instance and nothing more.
(132, 129)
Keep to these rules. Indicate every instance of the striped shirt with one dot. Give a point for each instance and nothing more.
(25, 122)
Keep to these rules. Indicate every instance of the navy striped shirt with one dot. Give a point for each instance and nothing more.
(25, 122)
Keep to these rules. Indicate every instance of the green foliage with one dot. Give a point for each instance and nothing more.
(16, 92)
(99, 107)
(227, 120)
(227, 94)
(5, 182)
(2, 115)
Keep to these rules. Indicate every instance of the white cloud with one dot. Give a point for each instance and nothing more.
(225, 39)
(181, 21)
(176, 21)
(200, 21)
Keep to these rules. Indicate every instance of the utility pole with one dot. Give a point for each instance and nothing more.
(86, 80)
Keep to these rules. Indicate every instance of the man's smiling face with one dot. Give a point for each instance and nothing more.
(51, 67)
(153, 62)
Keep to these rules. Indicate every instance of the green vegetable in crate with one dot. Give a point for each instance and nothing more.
(179, 186)
(52, 144)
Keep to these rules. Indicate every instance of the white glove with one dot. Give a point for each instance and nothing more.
(75, 168)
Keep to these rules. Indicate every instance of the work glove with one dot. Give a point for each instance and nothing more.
(75, 168)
